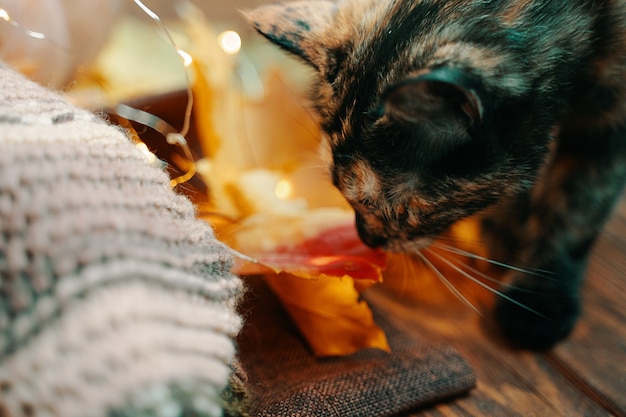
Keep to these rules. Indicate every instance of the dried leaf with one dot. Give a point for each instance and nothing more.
(334, 252)
(329, 314)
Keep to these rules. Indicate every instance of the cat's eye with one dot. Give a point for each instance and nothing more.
(375, 113)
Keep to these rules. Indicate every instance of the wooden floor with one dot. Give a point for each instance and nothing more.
(583, 376)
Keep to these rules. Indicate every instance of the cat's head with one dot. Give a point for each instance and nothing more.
(408, 112)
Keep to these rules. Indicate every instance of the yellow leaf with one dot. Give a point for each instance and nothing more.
(329, 314)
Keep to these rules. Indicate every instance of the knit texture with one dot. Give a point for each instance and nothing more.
(115, 300)
(286, 380)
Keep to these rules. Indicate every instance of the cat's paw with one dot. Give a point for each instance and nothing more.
(551, 320)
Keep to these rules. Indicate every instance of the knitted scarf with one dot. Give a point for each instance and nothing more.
(115, 300)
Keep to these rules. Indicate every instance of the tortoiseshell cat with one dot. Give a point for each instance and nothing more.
(438, 109)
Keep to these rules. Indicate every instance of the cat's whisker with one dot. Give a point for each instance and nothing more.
(501, 283)
(317, 167)
(298, 99)
(313, 134)
(313, 154)
(244, 138)
(447, 283)
(301, 104)
(246, 143)
(457, 251)
(541, 273)
(248, 71)
(482, 284)
(493, 280)
(409, 270)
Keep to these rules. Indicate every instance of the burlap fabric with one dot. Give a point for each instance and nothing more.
(286, 380)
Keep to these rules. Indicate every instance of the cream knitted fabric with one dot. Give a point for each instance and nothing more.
(114, 298)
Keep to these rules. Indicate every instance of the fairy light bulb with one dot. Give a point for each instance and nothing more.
(150, 157)
(230, 42)
(283, 189)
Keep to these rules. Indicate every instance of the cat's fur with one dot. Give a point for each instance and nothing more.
(435, 110)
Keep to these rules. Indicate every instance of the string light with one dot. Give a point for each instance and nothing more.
(150, 157)
(187, 59)
(147, 10)
(283, 189)
(4, 15)
(167, 34)
(230, 42)
(171, 135)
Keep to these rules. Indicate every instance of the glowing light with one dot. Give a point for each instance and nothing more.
(4, 15)
(187, 59)
(230, 42)
(150, 157)
(283, 189)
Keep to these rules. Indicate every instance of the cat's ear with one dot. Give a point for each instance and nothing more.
(295, 27)
(435, 93)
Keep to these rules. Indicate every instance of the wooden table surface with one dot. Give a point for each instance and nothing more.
(583, 376)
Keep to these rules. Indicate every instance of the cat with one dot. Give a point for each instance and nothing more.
(435, 110)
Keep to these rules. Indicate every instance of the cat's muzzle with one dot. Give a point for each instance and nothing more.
(376, 235)
(373, 239)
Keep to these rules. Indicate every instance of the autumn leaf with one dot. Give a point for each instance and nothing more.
(329, 314)
(263, 171)
(325, 242)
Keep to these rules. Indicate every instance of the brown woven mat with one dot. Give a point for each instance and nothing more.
(285, 379)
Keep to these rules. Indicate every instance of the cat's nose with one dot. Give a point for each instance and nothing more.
(372, 240)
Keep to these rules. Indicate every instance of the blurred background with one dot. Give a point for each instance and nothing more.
(70, 44)
(218, 10)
